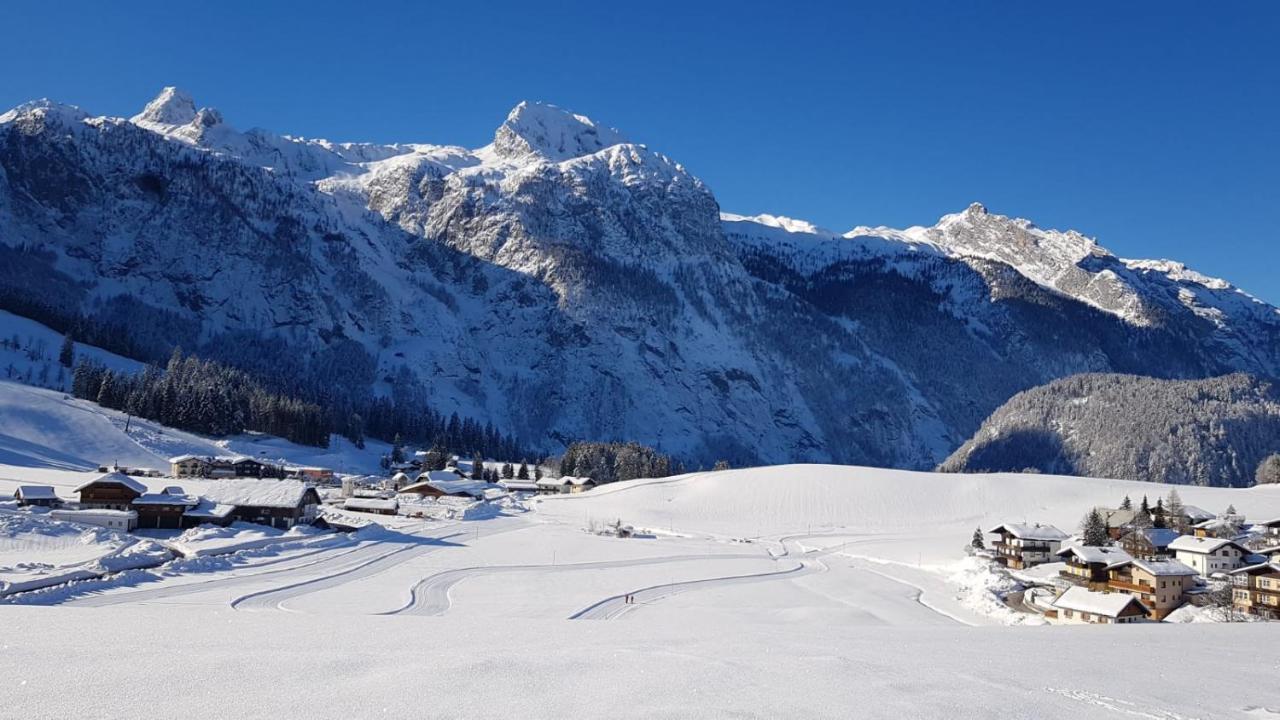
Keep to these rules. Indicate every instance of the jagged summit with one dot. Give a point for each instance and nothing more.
(546, 131)
(171, 107)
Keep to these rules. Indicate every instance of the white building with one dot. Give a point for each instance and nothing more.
(122, 520)
(1208, 555)
(1080, 606)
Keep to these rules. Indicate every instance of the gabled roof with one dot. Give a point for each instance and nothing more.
(1030, 532)
(578, 480)
(1203, 545)
(1095, 554)
(1271, 523)
(1266, 567)
(252, 492)
(184, 458)
(1197, 514)
(518, 484)
(165, 499)
(209, 509)
(117, 478)
(1116, 517)
(1160, 537)
(1098, 603)
(1159, 568)
(36, 492)
(550, 482)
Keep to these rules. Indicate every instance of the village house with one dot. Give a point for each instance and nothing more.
(564, 485)
(111, 491)
(398, 481)
(1270, 531)
(1256, 590)
(1023, 546)
(1161, 585)
(438, 483)
(377, 506)
(188, 466)
(1087, 564)
(163, 510)
(1080, 605)
(525, 486)
(1209, 555)
(247, 467)
(319, 475)
(1149, 543)
(37, 496)
(278, 503)
(1225, 526)
(1118, 520)
(120, 520)
(1192, 515)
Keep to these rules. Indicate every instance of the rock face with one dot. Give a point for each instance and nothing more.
(568, 284)
(1197, 432)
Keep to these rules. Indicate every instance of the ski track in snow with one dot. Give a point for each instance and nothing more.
(431, 595)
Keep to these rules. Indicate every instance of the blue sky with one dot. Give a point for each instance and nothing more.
(1152, 126)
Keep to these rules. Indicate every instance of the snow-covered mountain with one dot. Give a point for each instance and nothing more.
(569, 284)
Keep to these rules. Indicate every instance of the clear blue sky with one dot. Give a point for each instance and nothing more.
(1152, 126)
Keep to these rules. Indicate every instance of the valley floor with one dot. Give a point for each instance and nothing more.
(796, 591)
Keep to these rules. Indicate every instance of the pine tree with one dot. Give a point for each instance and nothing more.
(1268, 471)
(1093, 529)
(67, 355)
(508, 473)
(1126, 504)
(978, 542)
(477, 467)
(1157, 515)
(523, 473)
(537, 472)
(397, 449)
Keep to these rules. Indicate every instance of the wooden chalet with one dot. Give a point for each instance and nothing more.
(1023, 546)
(37, 496)
(111, 491)
(1087, 564)
(1149, 543)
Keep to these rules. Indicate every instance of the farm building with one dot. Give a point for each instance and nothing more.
(111, 491)
(37, 496)
(277, 503)
(377, 506)
(163, 510)
(122, 520)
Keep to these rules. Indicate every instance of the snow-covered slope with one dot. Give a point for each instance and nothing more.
(42, 428)
(567, 283)
(906, 516)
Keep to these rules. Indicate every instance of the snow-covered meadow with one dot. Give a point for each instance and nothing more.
(790, 591)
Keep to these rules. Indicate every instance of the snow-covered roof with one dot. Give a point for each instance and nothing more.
(1165, 568)
(77, 515)
(206, 508)
(518, 484)
(1116, 517)
(370, 504)
(1220, 522)
(1196, 514)
(1098, 603)
(1031, 532)
(550, 482)
(439, 475)
(398, 477)
(1271, 523)
(257, 493)
(1202, 545)
(165, 499)
(184, 458)
(36, 492)
(1266, 567)
(118, 478)
(1095, 554)
(577, 480)
(174, 490)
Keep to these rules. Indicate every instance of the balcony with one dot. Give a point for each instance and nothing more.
(1131, 587)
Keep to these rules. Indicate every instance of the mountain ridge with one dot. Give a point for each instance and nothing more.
(577, 286)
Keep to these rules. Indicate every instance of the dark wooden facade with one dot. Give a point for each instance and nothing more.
(107, 495)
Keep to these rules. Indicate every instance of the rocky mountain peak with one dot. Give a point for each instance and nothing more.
(542, 131)
(171, 107)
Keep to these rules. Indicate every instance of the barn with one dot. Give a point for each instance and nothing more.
(278, 503)
(163, 510)
(37, 496)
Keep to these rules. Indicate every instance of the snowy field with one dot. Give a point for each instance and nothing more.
(793, 591)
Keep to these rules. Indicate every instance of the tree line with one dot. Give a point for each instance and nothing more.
(612, 462)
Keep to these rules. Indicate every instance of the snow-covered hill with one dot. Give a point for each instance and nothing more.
(47, 429)
(570, 284)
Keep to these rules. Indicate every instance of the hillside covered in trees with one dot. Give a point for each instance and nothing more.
(1213, 432)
